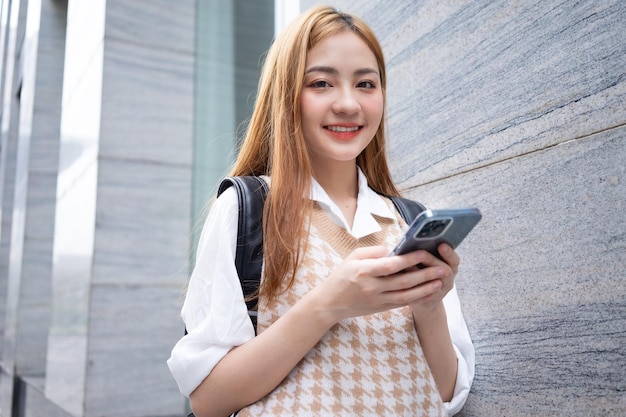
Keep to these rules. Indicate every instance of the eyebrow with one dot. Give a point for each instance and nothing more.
(331, 70)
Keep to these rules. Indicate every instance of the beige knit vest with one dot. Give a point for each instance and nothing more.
(364, 366)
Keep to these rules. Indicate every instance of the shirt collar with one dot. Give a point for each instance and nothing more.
(369, 203)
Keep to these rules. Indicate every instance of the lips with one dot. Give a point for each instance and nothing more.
(343, 131)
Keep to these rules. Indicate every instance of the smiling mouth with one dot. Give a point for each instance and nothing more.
(343, 129)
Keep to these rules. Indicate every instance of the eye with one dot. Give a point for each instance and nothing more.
(319, 84)
(366, 84)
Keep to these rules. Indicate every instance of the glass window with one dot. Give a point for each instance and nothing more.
(232, 39)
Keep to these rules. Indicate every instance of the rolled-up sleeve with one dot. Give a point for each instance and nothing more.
(464, 349)
(214, 311)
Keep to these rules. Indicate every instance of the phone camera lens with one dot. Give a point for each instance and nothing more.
(439, 226)
(433, 228)
(426, 230)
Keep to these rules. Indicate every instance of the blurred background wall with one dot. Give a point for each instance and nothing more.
(119, 117)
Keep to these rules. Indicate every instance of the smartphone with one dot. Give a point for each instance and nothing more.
(433, 227)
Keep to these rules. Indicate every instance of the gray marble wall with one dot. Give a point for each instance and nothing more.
(518, 108)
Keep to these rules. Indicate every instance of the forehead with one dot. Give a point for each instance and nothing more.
(345, 49)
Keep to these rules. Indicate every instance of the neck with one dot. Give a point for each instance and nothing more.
(342, 186)
(339, 182)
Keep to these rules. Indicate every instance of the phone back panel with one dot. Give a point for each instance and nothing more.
(424, 233)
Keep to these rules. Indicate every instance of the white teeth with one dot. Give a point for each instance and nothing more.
(343, 129)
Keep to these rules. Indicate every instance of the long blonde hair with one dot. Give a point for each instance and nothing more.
(274, 144)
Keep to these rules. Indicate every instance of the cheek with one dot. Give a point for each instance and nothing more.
(374, 109)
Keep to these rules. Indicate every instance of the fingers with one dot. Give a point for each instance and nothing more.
(429, 284)
(449, 256)
(392, 265)
(369, 280)
(412, 278)
(378, 262)
(429, 287)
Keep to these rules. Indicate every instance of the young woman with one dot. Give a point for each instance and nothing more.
(343, 328)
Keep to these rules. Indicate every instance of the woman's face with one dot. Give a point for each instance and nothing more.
(342, 100)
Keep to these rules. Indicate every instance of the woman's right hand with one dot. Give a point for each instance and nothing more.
(369, 281)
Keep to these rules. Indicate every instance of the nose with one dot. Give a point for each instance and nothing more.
(346, 102)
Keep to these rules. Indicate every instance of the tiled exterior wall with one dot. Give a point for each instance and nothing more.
(518, 108)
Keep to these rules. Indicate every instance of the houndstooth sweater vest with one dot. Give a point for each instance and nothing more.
(364, 366)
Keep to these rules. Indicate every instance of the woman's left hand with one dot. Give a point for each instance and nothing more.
(445, 270)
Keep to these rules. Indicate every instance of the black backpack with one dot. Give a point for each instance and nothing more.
(251, 192)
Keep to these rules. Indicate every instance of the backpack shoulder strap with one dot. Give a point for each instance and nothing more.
(251, 194)
(408, 209)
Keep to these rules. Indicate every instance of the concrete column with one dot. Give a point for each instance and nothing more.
(126, 178)
(74, 224)
(33, 113)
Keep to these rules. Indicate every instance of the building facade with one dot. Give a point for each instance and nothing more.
(119, 117)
